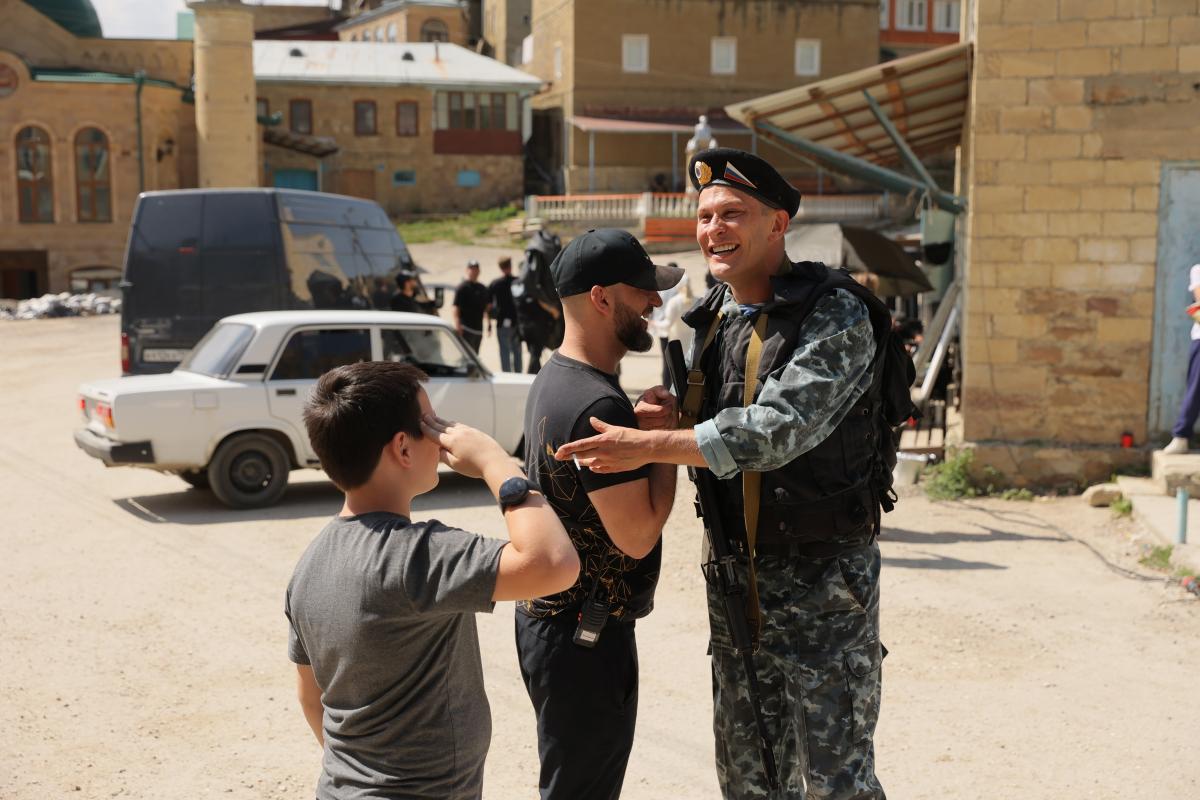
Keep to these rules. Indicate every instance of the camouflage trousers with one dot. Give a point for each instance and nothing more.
(819, 680)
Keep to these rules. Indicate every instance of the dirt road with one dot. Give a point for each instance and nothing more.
(142, 640)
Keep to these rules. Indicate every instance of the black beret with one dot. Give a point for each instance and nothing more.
(725, 166)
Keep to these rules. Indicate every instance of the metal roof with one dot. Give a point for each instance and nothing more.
(924, 95)
(611, 125)
(385, 64)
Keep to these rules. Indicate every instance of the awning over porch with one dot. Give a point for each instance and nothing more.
(924, 95)
(318, 146)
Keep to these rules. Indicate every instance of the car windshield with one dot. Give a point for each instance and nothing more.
(218, 352)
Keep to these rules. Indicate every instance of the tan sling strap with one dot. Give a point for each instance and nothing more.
(689, 412)
(752, 480)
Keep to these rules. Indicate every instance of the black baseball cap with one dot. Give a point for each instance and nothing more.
(606, 256)
(746, 172)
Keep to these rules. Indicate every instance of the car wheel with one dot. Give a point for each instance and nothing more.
(249, 471)
(197, 478)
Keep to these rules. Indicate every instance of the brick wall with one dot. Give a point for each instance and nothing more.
(1075, 106)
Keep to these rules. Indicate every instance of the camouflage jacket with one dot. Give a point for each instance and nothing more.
(799, 406)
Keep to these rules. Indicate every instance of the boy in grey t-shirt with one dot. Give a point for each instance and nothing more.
(382, 608)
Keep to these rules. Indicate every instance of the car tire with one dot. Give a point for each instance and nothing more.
(249, 470)
(196, 478)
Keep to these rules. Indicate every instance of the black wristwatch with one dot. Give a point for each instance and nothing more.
(514, 491)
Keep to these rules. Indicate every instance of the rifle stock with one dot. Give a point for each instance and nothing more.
(720, 571)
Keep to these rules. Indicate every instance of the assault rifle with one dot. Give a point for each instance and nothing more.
(720, 573)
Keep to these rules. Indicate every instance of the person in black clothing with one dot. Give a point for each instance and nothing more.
(583, 680)
(470, 304)
(405, 297)
(503, 311)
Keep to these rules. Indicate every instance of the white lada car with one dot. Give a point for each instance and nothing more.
(228, 418)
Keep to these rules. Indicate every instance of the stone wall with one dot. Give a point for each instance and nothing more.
(1075, 106)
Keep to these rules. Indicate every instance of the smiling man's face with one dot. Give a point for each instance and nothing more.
(734, 232)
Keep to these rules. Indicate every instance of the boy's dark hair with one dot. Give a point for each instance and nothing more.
(355, 410)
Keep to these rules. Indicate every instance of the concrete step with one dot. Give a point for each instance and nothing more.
(1173, 472)
(1159, 515)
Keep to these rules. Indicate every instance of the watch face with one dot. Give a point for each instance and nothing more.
(513, 490)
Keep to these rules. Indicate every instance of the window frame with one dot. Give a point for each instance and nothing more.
(712, 55)
(815, 44)
(25, 214)
(416, 118)
(362, 131)
(93, 184)
(956, 12)
(903, 10)
(262, 107)
(885, 19)
(290, 333)
(430, 24)
(628, 39)
(292, 105)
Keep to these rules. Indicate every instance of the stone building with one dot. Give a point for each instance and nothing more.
(1080, 169)
(73, 111)
(627, 79)
(410, 21)
(505, 25)
(87, 123)
(418, 127)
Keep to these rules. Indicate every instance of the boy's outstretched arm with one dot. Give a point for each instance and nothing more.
(539, 558)
(310, 700)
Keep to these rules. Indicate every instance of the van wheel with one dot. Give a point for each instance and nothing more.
(196, 478)
(249, 471)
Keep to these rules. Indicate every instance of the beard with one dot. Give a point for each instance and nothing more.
(631, 330)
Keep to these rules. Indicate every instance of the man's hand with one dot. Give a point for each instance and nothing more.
(656, 409)
(465, 450)
(615, 449)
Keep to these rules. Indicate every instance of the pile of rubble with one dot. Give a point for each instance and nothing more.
(63, 305)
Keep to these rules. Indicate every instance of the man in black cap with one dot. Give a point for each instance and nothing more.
(470, 304)
(782, 366)
(406, 290)
(577, 650)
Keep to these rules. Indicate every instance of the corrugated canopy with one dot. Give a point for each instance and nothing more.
(924, 95)
(611, 125)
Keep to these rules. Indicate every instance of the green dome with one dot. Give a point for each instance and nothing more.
(77, 16)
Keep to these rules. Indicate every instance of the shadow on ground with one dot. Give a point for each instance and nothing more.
(307, 500)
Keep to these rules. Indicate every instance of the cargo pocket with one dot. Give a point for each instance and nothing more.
(863, 683)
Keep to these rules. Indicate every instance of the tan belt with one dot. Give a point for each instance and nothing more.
(752, 480)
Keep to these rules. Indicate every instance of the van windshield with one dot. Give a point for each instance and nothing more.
(218, 352)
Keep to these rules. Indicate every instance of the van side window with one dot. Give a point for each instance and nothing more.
(238, 222)
(431, 349)
(309, 354)
(168, 223)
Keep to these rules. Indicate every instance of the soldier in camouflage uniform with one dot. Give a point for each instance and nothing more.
(806, 431)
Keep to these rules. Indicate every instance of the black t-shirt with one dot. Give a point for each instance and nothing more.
(565, 394)
(471, 297)
(500, 293)
(402, 302)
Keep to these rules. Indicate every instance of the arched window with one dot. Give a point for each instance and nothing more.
(93, 194)
(434, 30)
(35, 179)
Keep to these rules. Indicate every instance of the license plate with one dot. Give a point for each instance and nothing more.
(160, 356)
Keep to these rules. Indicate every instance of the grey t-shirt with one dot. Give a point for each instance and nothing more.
(383, 610)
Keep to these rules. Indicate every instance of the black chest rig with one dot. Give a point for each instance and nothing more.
(823, 500)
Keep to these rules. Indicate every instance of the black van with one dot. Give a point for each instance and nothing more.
(197, 255)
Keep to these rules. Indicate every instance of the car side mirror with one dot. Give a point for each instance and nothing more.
(439, 297)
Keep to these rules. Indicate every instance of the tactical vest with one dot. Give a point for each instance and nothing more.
(823, 499)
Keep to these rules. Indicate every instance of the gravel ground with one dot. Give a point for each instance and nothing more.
(142, 639)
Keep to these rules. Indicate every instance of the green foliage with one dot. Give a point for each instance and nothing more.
(463, 229)
(1158, 558)
(951, 479)
(1122, 506)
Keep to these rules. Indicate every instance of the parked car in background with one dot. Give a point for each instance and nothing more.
(197, 255)
(229, 417)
